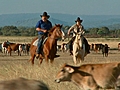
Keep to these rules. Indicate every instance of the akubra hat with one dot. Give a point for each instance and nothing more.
(78, 19)
(45, 14)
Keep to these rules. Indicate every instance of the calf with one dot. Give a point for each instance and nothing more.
(22, 84)
(105, 49)
(103, 75)
(84, 80)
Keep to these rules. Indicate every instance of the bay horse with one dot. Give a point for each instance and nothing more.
(79, 51)
(11, 47)
(49, 46)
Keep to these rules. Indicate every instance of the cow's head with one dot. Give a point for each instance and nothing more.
(64, 74)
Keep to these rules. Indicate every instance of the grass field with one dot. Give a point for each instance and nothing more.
(18, 66)
(112, 42)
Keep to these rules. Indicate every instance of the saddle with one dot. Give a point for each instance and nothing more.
(36, 42)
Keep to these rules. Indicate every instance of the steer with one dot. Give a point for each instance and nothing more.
(22, 84)
(84, 80)
(102, 75)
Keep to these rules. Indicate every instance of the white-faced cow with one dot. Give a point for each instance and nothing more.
(102, 75)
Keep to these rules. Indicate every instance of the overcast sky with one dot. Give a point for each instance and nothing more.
(79, 7)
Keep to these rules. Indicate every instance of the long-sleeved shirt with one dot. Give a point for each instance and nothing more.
(76, 29)
(43, 25)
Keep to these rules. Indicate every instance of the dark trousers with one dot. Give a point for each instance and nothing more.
(41, 38)
(39, 45)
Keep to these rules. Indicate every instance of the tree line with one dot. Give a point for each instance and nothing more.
(30, 31)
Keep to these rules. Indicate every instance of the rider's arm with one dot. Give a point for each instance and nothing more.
(71, 28)
(42, 30)
(38, 27)
(82, 30)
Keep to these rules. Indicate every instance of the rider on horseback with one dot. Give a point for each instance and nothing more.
(77, 28)
(42, 27)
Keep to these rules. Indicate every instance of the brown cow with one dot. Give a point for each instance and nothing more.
(11, 47)
(105, 75)
(22, 84)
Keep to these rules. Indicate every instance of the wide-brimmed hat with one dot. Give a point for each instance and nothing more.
(78, 19)
(45, 14)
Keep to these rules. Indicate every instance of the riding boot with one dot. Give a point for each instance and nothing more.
(40, 40)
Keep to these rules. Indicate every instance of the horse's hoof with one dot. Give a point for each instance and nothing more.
(37, 56)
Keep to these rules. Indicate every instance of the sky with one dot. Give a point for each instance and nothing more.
(75, 7)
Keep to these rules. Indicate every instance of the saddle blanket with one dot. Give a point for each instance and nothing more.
(36, 41)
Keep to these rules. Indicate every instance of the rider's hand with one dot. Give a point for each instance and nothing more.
(68, 33)
(44, 31)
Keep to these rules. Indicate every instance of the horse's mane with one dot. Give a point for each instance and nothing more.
(49, 32)
(53, 28)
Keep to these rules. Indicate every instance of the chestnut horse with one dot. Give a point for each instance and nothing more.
(49, 47)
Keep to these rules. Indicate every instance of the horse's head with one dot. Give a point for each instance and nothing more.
(79, 39)
(79, 35)
(57, 32)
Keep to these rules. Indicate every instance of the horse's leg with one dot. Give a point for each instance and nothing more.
(40, 61)
(10, 52)
(78, 60)
(32, 59)
(74, 59)
(51, 61)
(82, 59)
(46, 58)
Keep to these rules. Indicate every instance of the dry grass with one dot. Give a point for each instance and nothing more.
(16, 39)
(112, 42)
(15, 66)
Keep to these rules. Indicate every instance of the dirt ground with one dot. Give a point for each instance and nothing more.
(93, 57)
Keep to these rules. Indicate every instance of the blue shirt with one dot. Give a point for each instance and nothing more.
(43, 25)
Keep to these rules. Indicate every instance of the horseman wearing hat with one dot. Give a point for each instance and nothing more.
(76, 28)
(42, 27)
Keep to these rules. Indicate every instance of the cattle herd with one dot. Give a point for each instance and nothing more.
(8, 47)
(86, 77)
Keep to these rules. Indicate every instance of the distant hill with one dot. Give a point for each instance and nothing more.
(89, 21)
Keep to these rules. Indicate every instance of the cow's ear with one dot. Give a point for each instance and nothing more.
(69, 69)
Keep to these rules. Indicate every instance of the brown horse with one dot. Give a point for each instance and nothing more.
(11, 47)
(49, 47)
